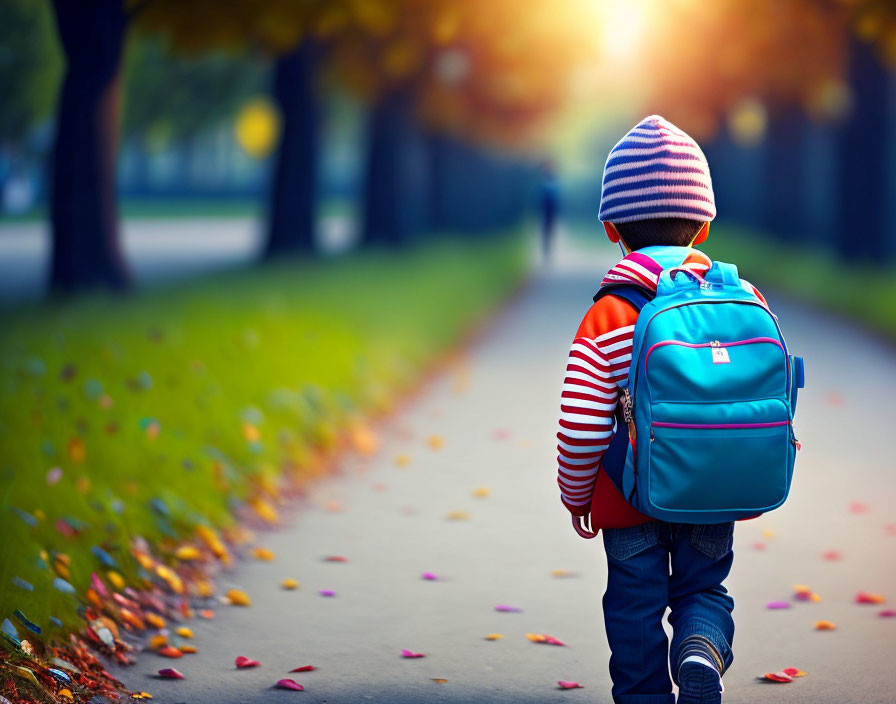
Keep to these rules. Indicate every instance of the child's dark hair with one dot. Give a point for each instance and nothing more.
(659, 231)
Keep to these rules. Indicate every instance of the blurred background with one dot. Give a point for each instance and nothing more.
(141, 138)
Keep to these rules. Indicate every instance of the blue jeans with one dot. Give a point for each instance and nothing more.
(640, 585)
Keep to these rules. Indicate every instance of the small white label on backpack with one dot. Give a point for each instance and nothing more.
(720, 355)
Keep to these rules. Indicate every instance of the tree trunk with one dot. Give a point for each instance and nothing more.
(293, 191)
(785, 173)
(83, 208)
(863, 155)
(389, 213)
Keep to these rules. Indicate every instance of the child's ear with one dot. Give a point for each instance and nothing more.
(701, 235)
(612, 232)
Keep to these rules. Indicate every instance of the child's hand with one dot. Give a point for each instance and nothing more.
(582, 525)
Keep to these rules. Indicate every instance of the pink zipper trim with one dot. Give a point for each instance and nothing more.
(694, 345)
(720, 426)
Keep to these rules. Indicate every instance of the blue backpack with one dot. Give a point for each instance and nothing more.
(704, 430)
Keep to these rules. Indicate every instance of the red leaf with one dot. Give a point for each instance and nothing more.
(405, 653)
(304, 668)
(776, 677)
(242, 661)
(289, 684)
(170, 673)
(335, 558)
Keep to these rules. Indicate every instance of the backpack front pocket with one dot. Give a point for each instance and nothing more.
(738, 467)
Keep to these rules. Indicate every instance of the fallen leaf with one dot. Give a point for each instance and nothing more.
(430, 576)
(304, 668)
(290, 584)
(187, 552)
(289, 684)
(458, 516)
(563, 574)
(402, 460)
(154, 620)
(188, 649)
(207, 613)
(859, 507)
(243, 662)
(481, 492)
(508, 609)
(238, 597)
(141, 695)
(169, 651)
(801, 592)
(565, 684)
(66, 694)
(768, 534)
(825, 626)
(832, 555)
(335, 558)
(435, 442)
(887, 613)
(184, 632)
(327, 592)
(410, 654)
(438, 680)
(158, 641)
(170, 673)
(778, 605)
(494, 636)
(544, 638)
(263, 554)
(868, 598)
(776, 677)
(794, 672)
(759, 546)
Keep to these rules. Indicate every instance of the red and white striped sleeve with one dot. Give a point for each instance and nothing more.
(596, 368)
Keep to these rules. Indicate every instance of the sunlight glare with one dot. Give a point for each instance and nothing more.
(623, 27)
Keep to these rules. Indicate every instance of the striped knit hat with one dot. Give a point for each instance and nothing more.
(656, 171)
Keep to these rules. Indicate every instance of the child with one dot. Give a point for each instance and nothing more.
(657, 203)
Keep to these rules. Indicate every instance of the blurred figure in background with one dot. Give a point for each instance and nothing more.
(549, 204)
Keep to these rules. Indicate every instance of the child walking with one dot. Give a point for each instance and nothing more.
(656, 203)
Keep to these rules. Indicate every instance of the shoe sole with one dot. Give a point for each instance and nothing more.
(698, 684)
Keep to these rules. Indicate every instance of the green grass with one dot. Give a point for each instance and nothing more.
(295, 350)
(865, 293)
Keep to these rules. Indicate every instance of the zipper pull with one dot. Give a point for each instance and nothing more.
(652, 437)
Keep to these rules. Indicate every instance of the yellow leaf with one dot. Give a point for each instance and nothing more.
(264, 509)
(238, 597)
(482, 492)
(116, 579)
(263, 554)
(187, 552)
(824, 626)
(290, 584)
(155, 620)
(66, 694)
(188, 649)
(158, 641)
(184, 632)
(494, 636)
(458, 516)
(435, 442)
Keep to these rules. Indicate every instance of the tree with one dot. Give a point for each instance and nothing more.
(284, 31)
(490, 73)
(83, 207)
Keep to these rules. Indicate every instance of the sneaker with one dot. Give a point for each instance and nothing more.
(698, 682)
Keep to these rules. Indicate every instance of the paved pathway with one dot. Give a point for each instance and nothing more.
(499, 433)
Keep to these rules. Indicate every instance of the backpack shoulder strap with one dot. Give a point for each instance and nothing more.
(613, 461)
(638, 296)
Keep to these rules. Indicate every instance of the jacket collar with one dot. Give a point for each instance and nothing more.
(643, 267)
